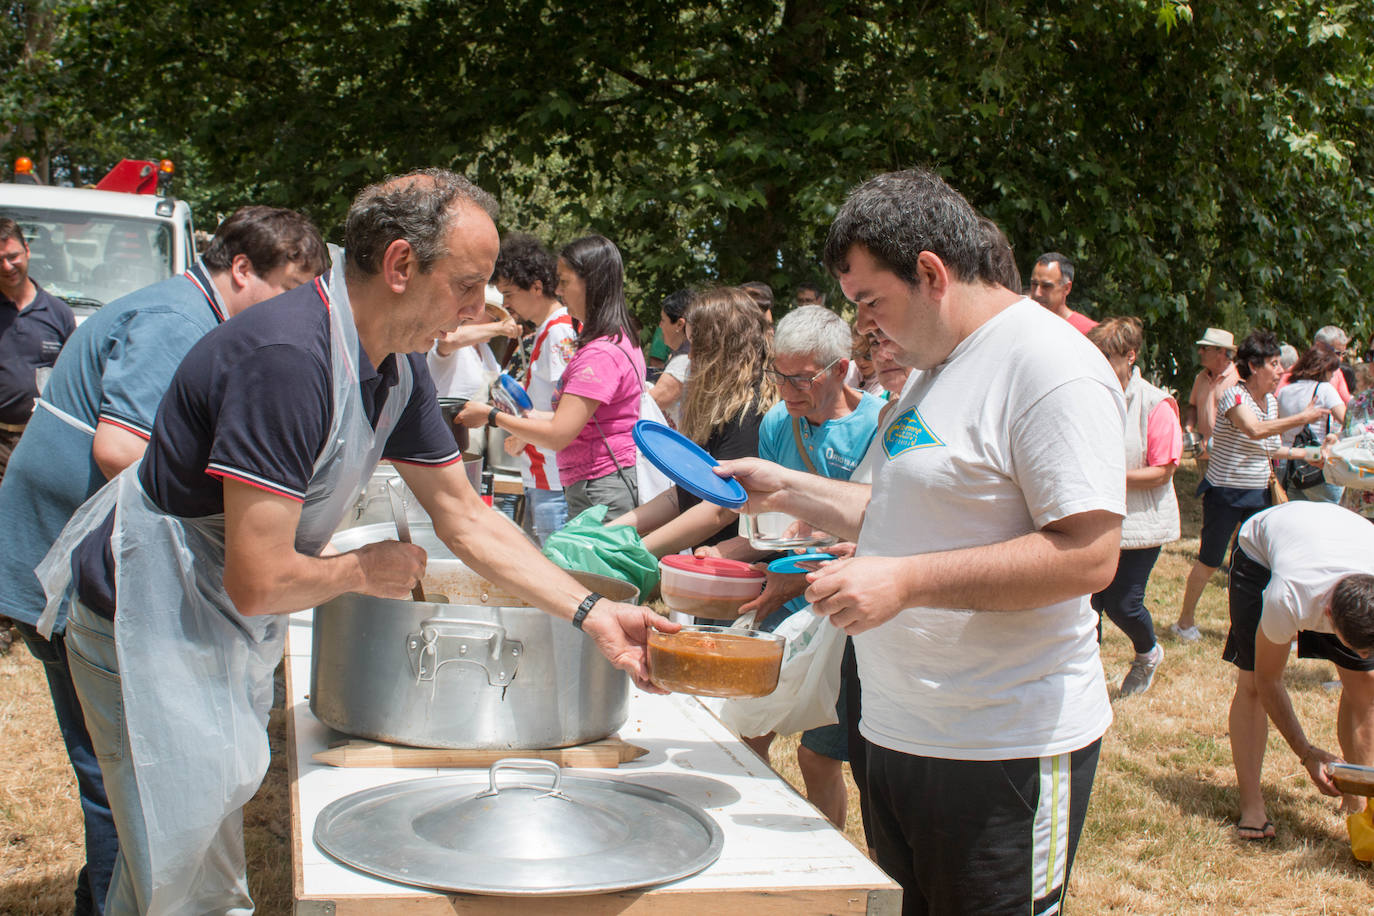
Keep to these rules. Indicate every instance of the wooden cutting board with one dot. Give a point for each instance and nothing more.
(356, 752)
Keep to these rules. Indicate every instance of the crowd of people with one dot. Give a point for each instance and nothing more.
(998, 468)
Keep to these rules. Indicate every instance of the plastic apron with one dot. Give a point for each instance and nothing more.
(196, 675)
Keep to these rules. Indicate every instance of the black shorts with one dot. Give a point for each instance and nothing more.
(979, 836)
(1245, 592)
(1220, 519)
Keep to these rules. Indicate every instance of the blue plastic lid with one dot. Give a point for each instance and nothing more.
(790, 564)
(510, 395)
(687, 464)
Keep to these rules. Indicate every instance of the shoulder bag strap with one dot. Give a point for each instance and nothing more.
(801, 449)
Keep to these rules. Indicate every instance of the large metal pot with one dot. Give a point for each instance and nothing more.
(482, 670)
(374, 505)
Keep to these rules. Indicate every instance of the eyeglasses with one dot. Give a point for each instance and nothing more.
(799, 382)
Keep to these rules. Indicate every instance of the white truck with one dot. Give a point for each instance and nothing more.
(90, 246)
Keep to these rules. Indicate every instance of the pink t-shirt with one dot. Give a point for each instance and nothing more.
(1081, 322)
(611, 373)
(1163, 435)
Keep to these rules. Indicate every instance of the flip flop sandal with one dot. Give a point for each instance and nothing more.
(1264, 832)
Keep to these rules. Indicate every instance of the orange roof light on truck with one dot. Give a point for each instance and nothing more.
(90, 246)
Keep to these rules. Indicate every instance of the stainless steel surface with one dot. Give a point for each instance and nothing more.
(485, 671)
(374, 505)
(497, 459)
(554, 835)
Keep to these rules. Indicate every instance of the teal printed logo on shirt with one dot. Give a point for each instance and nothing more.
(907, 432)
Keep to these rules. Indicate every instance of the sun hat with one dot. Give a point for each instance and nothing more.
(1216, 337)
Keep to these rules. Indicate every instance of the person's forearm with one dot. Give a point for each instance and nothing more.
(291, 583)
(1028, 572)
(1279, 707)
(1263, 429)
(494, 547)
(688, 529)
(544, 433)
(466, 336)
(1150, 477)
(658, 511)
(835, 506)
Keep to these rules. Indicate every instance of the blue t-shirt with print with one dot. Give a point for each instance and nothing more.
(835, 448)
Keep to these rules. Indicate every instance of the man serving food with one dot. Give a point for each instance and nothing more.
(179, 570)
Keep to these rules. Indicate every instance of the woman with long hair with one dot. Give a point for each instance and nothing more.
(1244, 442)
(1309, 381)
(597, 402)
(726, 397)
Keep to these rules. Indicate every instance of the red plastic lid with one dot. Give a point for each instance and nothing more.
(712, 566)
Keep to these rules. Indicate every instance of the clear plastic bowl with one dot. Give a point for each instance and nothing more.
(716, 661)
(708, 586)
(780, 531)
(1351, 778)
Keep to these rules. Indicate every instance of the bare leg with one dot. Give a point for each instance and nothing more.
(1355, 726)
(824, 779)
(1249, 727)
(760, 744)
(1198, 578)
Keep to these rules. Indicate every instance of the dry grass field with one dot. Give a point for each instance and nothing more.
(1159, 837)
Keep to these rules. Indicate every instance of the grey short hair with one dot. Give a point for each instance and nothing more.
(1332, 336)
(416, 207)
(1288, 356)
(814, 331)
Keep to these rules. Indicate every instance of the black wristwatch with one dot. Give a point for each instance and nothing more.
(584, 608)
(491, 416)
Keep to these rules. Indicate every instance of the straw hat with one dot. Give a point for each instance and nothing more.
(1216, 337)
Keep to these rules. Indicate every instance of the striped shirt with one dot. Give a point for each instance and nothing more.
(1236, 460)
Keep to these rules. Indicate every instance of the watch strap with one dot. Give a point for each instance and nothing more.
(585, 608)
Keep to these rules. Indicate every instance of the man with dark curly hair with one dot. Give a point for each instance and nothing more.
(527, 276)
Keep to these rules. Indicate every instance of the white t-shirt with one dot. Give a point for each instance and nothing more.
(679, 367)
(1308, 548)
(1022, 425)
(554, 345)
(464, 373)
(1236, 459)
(1294, 398)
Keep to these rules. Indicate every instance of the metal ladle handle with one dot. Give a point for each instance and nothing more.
(525, 763)
(398, 515)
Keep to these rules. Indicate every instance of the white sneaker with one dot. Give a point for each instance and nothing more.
(1187, 634)
(1142, 672)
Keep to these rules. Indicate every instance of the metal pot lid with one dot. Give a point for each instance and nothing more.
(557, 836)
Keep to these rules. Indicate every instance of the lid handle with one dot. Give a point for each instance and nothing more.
(525, 763)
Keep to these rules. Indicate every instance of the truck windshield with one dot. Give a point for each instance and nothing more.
(91, 258)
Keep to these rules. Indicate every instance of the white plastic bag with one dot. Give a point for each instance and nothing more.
(648, 478)
(1352, 463)
(807, 687)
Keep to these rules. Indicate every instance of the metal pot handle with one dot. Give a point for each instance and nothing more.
(443, 639)
(525, 763)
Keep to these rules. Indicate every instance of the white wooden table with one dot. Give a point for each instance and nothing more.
(780, 855)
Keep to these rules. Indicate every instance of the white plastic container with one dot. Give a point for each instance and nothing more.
(708, 586)
(780, 531)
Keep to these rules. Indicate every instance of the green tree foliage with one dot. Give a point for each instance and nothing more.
(1204, 165)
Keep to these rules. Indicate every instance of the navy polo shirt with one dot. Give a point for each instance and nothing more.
(29, 340)
(252, 401)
